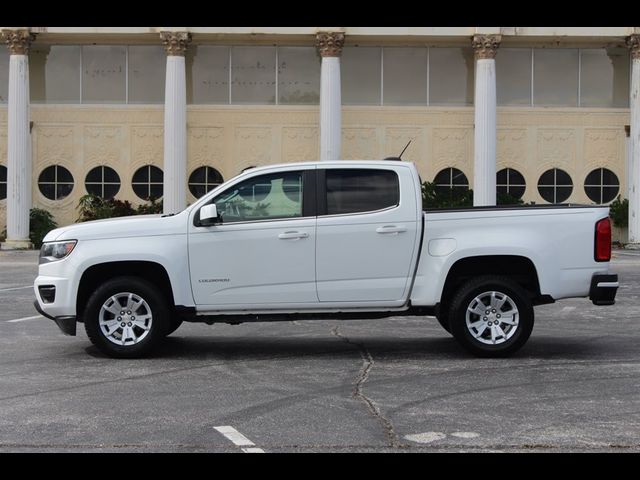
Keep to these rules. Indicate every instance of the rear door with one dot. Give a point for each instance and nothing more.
(367, 233)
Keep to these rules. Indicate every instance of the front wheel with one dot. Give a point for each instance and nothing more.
(126, 317)
(491, 316)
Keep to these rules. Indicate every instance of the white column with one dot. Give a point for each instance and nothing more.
(634, 143)
(330, 47)
(175, 123)
(18, 139)
(484, 173)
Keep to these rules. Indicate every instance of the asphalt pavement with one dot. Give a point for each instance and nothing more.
(394, 385)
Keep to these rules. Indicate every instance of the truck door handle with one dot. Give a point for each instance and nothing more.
(292, 235)
(391, 229)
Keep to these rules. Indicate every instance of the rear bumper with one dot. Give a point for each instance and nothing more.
(65, 323)
(603, 289)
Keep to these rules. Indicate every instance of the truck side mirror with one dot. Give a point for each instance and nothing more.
(209, 215)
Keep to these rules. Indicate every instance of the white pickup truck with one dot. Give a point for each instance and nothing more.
(319, 240)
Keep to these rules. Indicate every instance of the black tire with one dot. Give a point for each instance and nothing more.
(443, 320)
(174, 325)
(465, 298)
(159, 311)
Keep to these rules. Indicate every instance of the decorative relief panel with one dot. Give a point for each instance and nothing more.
(556, 148)
(452, 147)
(602, 147)
(511, 147)
(147, 146)
(359, 143)
(205, 146)
(397, 138)
(300, 144)
(54, 145)
(102, 146)
(252, 147)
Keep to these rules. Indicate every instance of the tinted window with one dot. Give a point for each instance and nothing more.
(102, 181)
(265, 197)
(555, 185)
(351, 190)
(147, 182)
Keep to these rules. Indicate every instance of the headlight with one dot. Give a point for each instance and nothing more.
(54, 251)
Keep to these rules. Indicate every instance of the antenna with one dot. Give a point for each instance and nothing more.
(399, 157)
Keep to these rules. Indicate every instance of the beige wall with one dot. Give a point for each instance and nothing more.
(231, 138)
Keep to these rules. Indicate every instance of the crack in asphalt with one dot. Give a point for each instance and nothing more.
(367, 365)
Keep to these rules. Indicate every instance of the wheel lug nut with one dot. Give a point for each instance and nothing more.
(487, 312)
(493, 311)
(121, 313)
(129, 312)
(122, 324)
(498, 316)
(129, 324)
(119, 318)
(484, 318)
(490, 323)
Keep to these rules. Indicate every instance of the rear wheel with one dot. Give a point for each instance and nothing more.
(126, 317)
(491, 316)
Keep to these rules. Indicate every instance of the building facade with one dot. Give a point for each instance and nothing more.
(539, 113)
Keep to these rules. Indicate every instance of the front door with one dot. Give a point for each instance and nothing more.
(263, 252)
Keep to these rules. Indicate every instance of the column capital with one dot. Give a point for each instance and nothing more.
(18, 41)
(486, 46)
(175, 43)
(633, 42)
(329, 44)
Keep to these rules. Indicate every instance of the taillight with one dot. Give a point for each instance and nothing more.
(603, 240)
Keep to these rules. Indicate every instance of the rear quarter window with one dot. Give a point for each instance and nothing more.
(361, 190)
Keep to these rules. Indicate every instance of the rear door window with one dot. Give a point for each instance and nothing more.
(361, 190)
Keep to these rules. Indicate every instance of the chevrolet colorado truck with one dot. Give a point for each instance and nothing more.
(323, 240)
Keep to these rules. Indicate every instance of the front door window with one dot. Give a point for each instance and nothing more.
(265, 197)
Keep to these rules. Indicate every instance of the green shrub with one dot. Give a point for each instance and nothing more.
(619, 212)
(154, 206)
(41, 222)
(506, 199)
(92, 207)
(433, 197)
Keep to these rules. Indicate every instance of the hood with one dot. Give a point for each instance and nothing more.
(121, 227)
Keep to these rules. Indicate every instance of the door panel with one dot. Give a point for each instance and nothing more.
(263, 252)
(365, 255)
(251, 264)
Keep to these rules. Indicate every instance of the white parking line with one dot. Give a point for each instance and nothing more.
(239, 439)
(14, 288)
(24, 319)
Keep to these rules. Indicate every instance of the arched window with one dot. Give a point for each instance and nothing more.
(55, 182)
(102, 181)
(601, 185)
(203, 180)
(510, 182)
(555, 185)
(451, 179)
(147, 182)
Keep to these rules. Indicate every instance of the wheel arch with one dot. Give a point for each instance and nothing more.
(97, 274)
(518, 268)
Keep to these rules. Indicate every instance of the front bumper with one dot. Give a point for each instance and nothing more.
(603, 289)
(65, 323)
